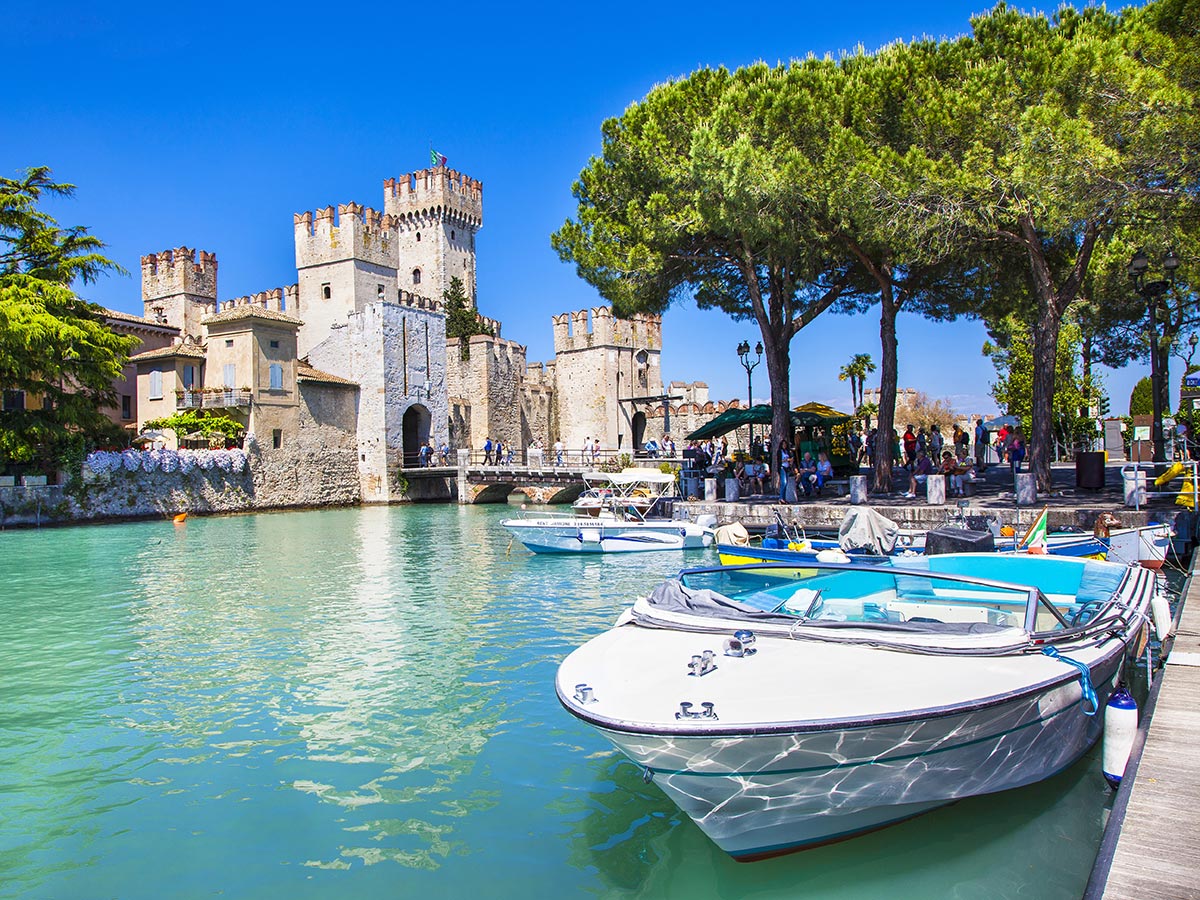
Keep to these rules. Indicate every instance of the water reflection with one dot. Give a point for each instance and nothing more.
(360, 703)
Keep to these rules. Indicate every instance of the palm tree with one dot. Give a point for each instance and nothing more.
(855, 372)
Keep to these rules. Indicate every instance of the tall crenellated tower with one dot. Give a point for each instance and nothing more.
(343, 265)
(178, 290)
(604, 369)
(438, 213)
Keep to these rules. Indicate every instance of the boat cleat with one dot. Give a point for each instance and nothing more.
(703, 663)
(706, 711)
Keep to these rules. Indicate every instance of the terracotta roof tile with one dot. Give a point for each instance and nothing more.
(308, 373)
(249, 311)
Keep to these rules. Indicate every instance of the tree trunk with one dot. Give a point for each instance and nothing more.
(888, 378)
(1162, 399)
(777, 353)
(1045, 354)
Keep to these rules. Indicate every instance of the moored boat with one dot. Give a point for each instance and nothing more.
(611, 517)
(782, 708)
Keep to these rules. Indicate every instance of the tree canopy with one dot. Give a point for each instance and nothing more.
(54, 346)
(714, 187)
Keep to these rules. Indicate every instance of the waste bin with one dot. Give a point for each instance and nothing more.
(1089, 471)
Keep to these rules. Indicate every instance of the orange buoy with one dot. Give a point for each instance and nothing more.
(180, 519)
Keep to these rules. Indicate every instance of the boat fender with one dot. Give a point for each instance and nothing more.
(1172, 473)
(832, 556)
(1120, 725)
(1160, 611)
(180, 519)
(799, 545)
(1090, 703)
(707, 521)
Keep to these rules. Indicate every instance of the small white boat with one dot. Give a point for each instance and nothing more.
(784, 707)
(611, 517)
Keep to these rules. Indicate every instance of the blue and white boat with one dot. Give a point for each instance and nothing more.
(611, 516)
(782, 708)
(868, 537)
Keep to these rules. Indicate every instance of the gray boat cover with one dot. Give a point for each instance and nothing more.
(866, 531)
(673, 596)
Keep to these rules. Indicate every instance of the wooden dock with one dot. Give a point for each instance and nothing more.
(1152, 843)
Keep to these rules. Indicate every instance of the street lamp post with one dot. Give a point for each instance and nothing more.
(1152, 292)
(743, 352)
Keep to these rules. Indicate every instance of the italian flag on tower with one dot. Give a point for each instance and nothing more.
(436, 159)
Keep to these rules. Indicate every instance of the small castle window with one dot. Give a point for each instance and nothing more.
(416, 276)
(326, 293)
(274, 345)
(229, 343)
(451, 234)
(418, 237)
(379, 291)
(277, 438)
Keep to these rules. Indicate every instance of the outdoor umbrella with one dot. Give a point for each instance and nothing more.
(732, 418)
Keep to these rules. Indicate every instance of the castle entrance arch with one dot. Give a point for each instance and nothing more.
(639, 429)
(415, 433)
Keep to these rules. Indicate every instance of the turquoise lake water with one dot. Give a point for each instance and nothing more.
(360, 703)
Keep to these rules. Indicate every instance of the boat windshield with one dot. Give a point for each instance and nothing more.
(877, 595)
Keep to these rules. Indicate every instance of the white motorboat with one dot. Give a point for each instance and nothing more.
(611, 517)
(784, 707)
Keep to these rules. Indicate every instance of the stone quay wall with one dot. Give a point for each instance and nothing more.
(273, 479)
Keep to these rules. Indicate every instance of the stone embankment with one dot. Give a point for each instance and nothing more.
(161, 486)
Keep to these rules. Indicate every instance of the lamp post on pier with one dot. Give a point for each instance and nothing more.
(743, 352)
(1152, 292)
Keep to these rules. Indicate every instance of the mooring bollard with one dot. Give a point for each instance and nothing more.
(732, 489)
(1026, 489)
(1135, 488)
(858, 489)
(710, 490)
(935, 490)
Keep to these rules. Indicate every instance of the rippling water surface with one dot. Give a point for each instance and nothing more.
(360, 703)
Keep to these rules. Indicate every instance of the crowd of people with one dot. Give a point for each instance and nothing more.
(919, 452)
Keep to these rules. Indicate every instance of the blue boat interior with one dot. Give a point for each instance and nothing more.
(976, 589)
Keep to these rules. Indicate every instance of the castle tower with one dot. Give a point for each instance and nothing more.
(601, 365)
(177, 290)
(438, 213)
(343, 265)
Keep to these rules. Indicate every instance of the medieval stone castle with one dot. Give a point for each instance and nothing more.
(352, 360)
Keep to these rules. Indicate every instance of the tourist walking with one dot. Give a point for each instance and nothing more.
(558, 452)
(487, 452)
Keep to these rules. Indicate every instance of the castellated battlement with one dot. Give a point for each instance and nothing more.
(437, 194)
(492, 325)
(598, 327)
(173, 272)
(406, 298)
(357, 232)
(272, 300)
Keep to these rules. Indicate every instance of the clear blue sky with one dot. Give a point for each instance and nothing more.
(209, 128)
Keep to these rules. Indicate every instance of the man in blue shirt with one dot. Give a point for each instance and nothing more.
(981, 444)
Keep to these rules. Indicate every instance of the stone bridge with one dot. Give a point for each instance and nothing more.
(471, 482)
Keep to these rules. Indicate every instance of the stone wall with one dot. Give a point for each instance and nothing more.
(498, 407)
(274, 479)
